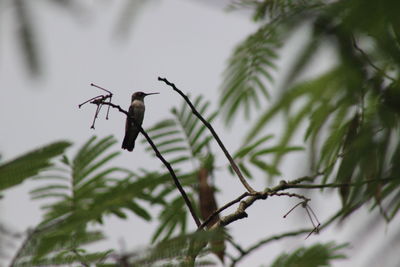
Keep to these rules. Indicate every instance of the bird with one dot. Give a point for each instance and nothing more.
(136, 111)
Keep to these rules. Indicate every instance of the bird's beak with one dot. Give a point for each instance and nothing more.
(151, 94)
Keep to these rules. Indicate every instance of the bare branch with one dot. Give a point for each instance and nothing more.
(208, 125)
(224, 207)
(335, 185)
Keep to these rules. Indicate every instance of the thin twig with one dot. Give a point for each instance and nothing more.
(163, 160)
(101, 88)
(267, 240)
(236, 246)
(292, 209)
(98, 101)
(290, 195)
(215, 135)
(366, 57)
(109, 93)
(81, 259)
(335, 185)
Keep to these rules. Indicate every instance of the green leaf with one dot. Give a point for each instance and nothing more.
(30, 164)
(278, 149)
(270, 169)
(141, 212)
(185, 137)
(314, 256)
(250, 148)
(248, 69)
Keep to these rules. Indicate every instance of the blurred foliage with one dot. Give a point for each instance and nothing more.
(27, 29)
(255, 152)
(314, 256)
(351, 111)
(18, 170)
(177, 251)
(249, 70)
(183, 138)
(82, 191)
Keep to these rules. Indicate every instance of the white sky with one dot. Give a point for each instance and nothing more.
(186, 41)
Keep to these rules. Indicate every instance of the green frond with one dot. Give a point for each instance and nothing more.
(49, 238)
(273, 9)
(93, 167)
(249, 70)
(26, 36)
(101, 191)
(162, 125)
(183, 137)
(174, 251)
(315, 90)
(82, 163)
(53, 187)
(278, 149)
(16, 171)
(98, 181)
(267, 168)
(253, 153)
(62, 196)
(172, 218)
(317, 255)
(138, 210)
(250, 148)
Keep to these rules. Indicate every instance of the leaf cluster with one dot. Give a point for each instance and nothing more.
(78, 193)
(350, 113)
(313, 256)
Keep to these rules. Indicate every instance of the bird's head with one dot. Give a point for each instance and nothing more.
(140, 95)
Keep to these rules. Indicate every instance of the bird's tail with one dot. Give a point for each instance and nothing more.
(128, 143)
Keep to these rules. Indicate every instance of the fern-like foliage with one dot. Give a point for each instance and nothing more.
(84, 191)
(249, 71)
(352, 136)
(18, 170)
(75, 183)
(176, 251)
(255, 154)
(273, 9)
(183, 138)
(317, 255)
(349, 115)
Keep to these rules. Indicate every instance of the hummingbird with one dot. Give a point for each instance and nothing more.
(136, 110)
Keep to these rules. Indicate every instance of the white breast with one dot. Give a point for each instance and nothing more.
(138, 110)
(138, 105)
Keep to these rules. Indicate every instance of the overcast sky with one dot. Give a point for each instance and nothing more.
(186, 41)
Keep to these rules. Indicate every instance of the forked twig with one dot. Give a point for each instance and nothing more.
(99, 101)
(311, 216)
